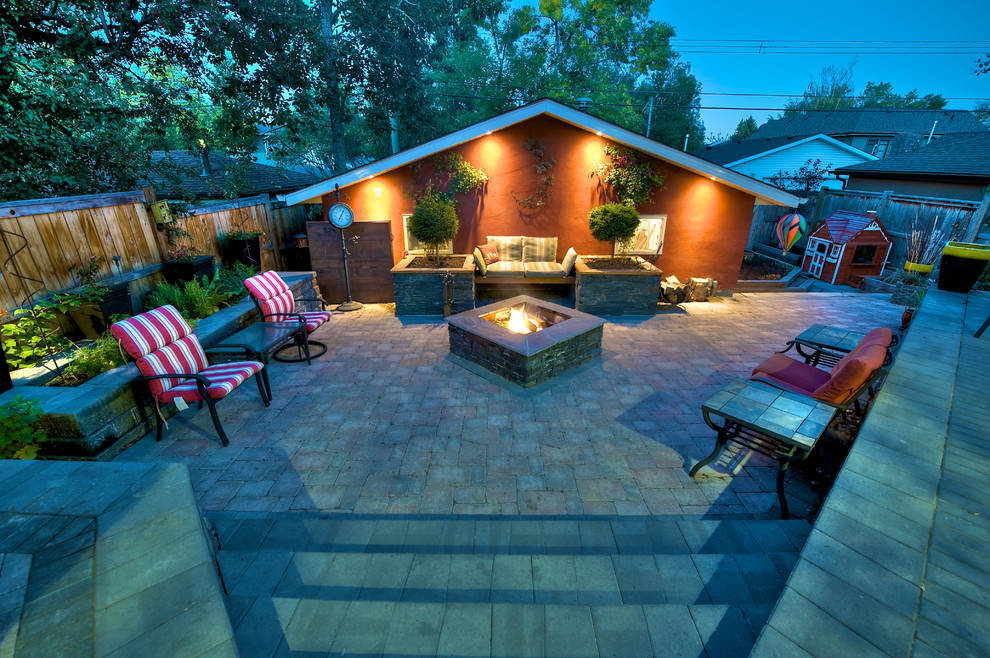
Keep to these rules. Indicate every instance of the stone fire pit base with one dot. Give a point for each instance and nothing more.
(525, 359)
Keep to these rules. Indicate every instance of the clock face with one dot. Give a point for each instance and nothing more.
(340, 215)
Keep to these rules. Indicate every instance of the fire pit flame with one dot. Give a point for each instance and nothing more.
(520, 324)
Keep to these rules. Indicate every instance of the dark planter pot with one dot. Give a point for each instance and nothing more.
(961, 266)
(92, 320)
(242, 251)
(176, 271)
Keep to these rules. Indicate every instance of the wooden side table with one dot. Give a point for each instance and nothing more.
(780, 424)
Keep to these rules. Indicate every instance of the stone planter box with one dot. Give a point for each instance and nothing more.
(419, 291)
(110, 410)
(617, 292)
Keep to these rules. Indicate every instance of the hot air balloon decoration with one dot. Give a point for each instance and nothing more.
(790, 228)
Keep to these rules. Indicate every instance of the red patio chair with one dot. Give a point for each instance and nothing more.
(275, 302)
(841, 387)
(170, 358)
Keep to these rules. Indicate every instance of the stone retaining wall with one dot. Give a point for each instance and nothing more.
(617, 292)
(419, 291)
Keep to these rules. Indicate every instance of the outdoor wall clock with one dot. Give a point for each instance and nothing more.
(340, 215)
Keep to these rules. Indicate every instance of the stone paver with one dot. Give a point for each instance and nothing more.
(388, 422)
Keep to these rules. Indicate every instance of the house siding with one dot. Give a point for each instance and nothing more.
(940, 190)
(793, 158)
(707, 222)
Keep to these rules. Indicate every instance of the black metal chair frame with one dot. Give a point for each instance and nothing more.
(302, 343)
(201, 383)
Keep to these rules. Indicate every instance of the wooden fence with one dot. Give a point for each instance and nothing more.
(899, 213)
(40, 240)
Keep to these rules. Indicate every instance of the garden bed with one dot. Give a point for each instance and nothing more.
(109, 409)
(419, 290)
(616, 291)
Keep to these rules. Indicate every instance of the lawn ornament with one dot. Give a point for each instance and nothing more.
(790, 228)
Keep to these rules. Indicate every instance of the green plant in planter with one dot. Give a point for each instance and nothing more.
(433, 222)
(89, 272)
(613, 223)
(630, 174)
(18, 435)
(90, 361)
(174, 235)
(33, 336)
(194, 300)
(234, 236)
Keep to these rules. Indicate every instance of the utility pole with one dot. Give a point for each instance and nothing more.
(649, 118)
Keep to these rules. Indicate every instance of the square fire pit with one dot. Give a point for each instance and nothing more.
(560, 338)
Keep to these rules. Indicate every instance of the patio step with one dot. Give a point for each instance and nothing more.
(501, 586)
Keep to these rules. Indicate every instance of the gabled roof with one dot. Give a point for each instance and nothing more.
(737, 151)
(765, 194)
(871, 121)
(258, 178)
(843, 225)
(959, 157)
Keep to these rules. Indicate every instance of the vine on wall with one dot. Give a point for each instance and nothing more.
(631, 174)
(544, 169)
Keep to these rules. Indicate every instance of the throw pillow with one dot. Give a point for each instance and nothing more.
(489, 252)
(479, 262)
(569, 259)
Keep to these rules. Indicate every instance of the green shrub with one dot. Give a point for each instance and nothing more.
(33, 336)
(195, 300)
(231, 279)
(433, 222)
(18, 436)
(613, 222)
(92, 360)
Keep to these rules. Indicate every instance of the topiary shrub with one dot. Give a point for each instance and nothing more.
(613, 222)
(433, 222)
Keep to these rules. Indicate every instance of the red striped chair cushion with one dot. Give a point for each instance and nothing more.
(315, 318)
(184, 356)
(150, 331)
(280, 303)
(266, 285)
(224, 378)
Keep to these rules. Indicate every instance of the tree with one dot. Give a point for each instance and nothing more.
(881, 94)
(745, 128)
(831, 91)
(807, 179)
(981, 109)
(433, 222)
(613, 222)
(983, 65)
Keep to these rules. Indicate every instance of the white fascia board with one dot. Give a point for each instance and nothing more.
(825, 138)
(765, 194)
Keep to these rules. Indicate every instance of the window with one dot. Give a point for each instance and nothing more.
(649, 236)
(864, 254)
(877, 147)
(413, 245)
(835, 251)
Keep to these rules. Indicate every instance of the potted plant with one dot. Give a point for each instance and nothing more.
(613, 223)
(913, 304)
(186, 262)
(241, 247)
(923, 249)
(434, 223)
(93, 305)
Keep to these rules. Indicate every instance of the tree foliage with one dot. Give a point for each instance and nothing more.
(806, 179)
(433, 222)
(745, 128)
(834, 89)
(613, 222)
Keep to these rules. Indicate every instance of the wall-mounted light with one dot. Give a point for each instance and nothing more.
(713, 178)
(489, 132)
(598, 132)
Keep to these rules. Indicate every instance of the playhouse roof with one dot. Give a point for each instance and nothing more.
(844, 225)
(765, 194)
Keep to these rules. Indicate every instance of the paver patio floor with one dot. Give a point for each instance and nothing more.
(389, 422)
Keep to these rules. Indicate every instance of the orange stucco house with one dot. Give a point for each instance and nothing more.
(704, 214)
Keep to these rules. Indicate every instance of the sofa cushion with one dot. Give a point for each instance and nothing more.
(537, 250)
(508, 268)
(851, 373)
(509, 246)
(479, 262)
(569, 259)
(543, 269)
(489, 252)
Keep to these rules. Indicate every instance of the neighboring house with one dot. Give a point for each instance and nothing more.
(953, 167)
(877, 131)
(762, 158)
(208, 178)
(703, 214)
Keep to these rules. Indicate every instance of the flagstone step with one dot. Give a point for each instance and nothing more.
(594, 535)
(387, 628)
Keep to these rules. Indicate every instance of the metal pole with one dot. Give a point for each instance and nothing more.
(649, 118)
(350, 304)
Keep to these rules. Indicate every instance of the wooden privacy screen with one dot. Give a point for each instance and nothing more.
(58, 233)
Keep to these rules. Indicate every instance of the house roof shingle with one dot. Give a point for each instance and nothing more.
(732, 151)
(962, 155)
(258, 178)
(871, 121)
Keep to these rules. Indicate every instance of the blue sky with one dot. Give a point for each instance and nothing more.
(866, 21)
